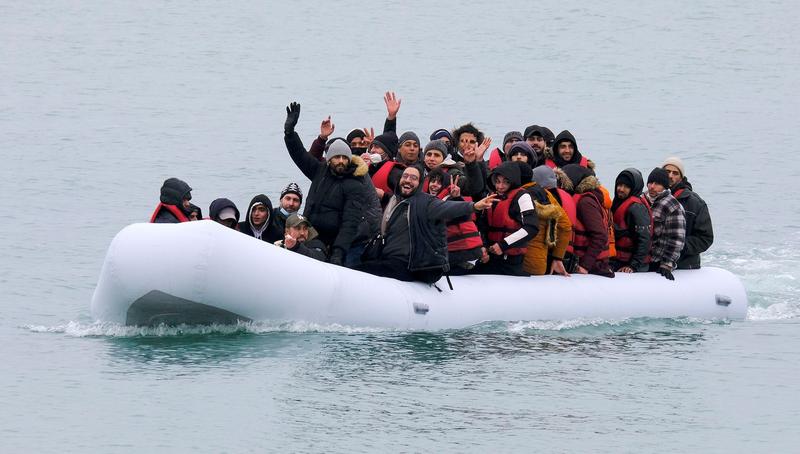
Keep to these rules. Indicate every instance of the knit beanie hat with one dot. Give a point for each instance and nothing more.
(674, 161)
(440, 134)
(660, 176)
(338, 147)
(437, 145)
(408, 135)
(293, 188)
(512, 135)
(388, 142)
(544, 177)
(355, 133)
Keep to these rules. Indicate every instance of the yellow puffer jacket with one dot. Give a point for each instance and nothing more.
(555, 231)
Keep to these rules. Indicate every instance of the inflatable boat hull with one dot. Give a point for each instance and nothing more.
(201, 273)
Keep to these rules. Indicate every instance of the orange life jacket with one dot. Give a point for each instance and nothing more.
(501, 223)
(172, 209)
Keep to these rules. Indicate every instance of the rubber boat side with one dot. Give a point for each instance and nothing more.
(201, 272)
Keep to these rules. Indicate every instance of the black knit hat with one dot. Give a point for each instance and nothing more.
(660, 176)
(355, 133)
(293, 188)
(533, 130)
(625, 178)
(388, 142)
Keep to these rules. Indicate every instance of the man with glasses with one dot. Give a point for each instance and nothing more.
(412, 245)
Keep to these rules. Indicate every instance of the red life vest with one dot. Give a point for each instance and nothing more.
(461, 236)
(501, 223)
(172, 209)
(677, 193)
(381, 178)
(495, 159)
(552, 164)
(625, 245)
(580, 238)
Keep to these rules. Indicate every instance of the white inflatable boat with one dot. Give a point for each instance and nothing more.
(201, 273)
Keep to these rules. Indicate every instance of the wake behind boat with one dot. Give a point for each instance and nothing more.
(202, 273)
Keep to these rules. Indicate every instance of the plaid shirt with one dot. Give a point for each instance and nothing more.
(669, 229)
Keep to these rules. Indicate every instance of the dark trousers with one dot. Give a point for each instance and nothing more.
(510, 265)
(393, 268)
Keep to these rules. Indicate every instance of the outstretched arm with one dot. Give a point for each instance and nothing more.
(307, 164)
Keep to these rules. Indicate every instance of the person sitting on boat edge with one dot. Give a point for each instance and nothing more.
(633, 224)
(289, 202)
(590, 245)
(341, 202)
(300, 236)
(223, 211)
(669, 224)
(412, 244)
(259, 222)
(509, 224)
(545, 253)
(464, 243)
(174, 205)
(699, 231)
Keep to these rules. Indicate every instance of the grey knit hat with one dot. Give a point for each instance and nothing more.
(437, 145)
(512, 135)
(338, 147)
(544, 177)
(408, 135)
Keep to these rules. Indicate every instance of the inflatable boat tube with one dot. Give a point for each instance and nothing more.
(203, 273)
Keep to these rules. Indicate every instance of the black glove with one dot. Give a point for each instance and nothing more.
(292, 115)
(666, 272)
(337, 257)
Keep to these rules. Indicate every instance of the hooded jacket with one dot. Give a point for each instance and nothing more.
(171, 210)
(343, 208)
(269, 231)
(592, 215)
(554, 234)
(699, 231)
(639, 223)
(520, 208)
(220, 204)
(577, 157)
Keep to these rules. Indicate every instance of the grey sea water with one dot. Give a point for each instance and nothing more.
(101, 101)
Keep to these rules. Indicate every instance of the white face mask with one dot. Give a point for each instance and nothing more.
(284, 212)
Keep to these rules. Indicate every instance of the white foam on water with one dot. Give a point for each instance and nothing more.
(100, 329)
(777, 311)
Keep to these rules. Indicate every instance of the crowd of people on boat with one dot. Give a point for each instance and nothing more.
(389, 206)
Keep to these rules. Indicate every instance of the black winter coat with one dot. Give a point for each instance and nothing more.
(699, 231)
(341, 207)
(417, 231)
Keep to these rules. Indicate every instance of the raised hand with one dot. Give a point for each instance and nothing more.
(369, 136)
(289, 241)
(292, 116)
(326, 128)
(455, 190)
(481, 150)
(392, 104)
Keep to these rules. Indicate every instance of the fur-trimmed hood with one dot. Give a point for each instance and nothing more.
(577, 179)
(362, 168)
